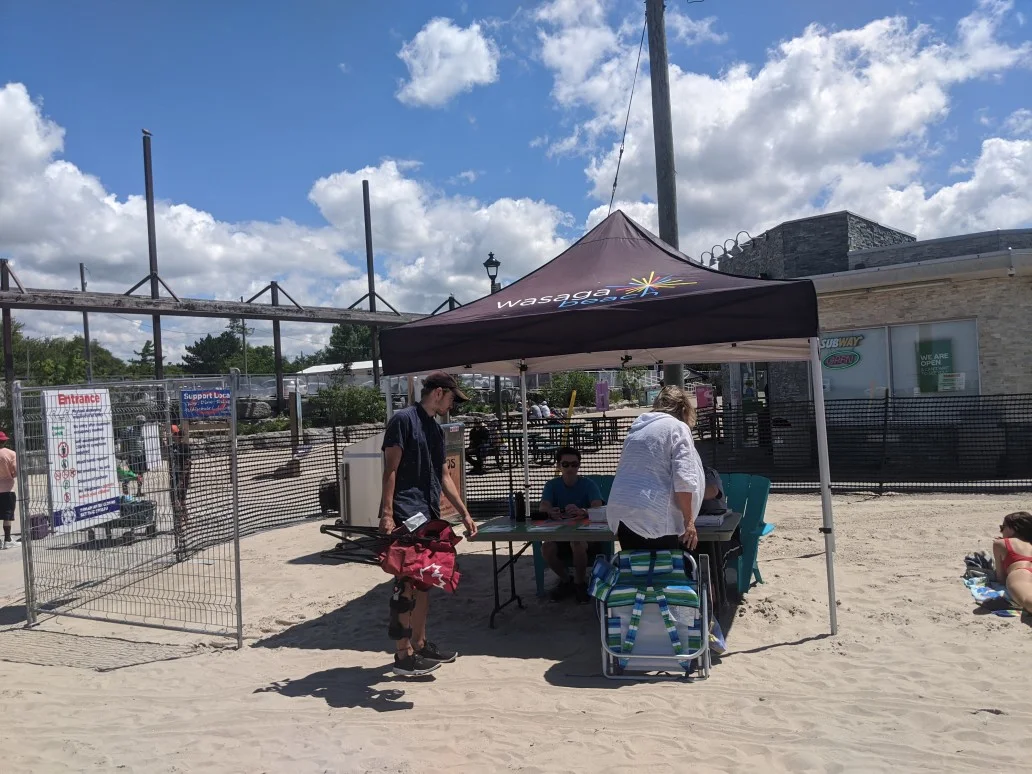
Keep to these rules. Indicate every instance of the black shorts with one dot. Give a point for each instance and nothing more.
(632, 541)
(138, 465)
(7, 502)
(565, 551)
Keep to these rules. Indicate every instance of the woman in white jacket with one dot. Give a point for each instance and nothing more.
(659, 484)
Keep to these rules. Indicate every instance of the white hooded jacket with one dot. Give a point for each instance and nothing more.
(658, 459)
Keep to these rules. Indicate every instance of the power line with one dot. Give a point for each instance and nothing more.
(627, 120)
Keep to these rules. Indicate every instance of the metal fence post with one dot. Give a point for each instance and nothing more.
(234, 380)
(24, 513)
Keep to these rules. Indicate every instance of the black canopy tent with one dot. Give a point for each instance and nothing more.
(621, 296)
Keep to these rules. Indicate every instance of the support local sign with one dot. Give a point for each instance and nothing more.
(201, 405)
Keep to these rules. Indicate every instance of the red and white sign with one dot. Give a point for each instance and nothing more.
(80, 457)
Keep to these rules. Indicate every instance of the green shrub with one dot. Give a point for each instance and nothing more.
(563, 385)
(348, 405)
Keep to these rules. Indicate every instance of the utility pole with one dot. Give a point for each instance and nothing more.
(374, 338)
(243, 333)
(8, 334)
(152, 251)
(663, 135)
(86, 328)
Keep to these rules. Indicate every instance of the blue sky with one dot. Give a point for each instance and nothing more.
(251, 104)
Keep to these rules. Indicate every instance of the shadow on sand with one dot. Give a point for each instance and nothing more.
(565, 634)
(348, 687)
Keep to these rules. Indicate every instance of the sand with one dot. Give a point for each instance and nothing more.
(914, 681)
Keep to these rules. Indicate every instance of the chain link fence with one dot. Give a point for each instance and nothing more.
(124, 519)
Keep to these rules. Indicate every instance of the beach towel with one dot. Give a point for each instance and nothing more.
(989, 593)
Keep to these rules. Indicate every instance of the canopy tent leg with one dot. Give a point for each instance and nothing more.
(525, 441)
(825, 474)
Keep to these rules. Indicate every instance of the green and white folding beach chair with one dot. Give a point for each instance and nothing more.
(654, 614)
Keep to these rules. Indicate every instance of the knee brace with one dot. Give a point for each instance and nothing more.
(399, 604)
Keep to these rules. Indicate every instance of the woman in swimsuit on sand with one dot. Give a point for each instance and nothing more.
(1012, 555)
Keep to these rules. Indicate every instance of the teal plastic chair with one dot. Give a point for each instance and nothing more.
(747, 494)
(605, 486)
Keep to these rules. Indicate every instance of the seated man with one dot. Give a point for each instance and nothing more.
(569, 497)
(479, 446)
(713, 499)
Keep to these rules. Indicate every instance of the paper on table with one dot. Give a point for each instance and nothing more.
(595, 527)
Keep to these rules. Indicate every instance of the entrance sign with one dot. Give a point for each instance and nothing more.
(81, 465)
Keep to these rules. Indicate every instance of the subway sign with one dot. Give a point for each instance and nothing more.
(841, 352)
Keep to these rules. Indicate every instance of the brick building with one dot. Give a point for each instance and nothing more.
(899, 316)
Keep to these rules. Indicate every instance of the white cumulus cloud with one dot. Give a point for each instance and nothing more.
(797, 134)
(445, 60)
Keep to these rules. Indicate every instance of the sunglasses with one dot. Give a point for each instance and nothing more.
(569, 464)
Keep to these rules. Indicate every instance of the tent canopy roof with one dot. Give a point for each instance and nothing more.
(618, 296)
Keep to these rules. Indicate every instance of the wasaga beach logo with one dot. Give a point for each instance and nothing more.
(634, 290)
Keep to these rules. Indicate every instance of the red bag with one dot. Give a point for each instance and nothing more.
(426, 557)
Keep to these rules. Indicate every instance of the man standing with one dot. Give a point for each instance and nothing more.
(413, 482)
(569, 497)
(8, 475)
(179, 467)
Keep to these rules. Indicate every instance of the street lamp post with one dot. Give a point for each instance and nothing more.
(491, 267)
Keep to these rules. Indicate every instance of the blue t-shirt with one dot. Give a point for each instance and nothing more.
(581, 494)
(417, 486)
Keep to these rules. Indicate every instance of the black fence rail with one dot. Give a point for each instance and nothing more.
(970, 444)
(891, 444)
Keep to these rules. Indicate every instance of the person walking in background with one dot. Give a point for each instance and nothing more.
(179, 467)
(8, 499)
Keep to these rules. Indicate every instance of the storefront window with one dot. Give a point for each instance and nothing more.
(935, 359)
(854, 364)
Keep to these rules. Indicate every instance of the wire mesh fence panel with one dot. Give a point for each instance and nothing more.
(127, 508)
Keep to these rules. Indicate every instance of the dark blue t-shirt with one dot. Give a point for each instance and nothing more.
(581, 494)
(417, 487)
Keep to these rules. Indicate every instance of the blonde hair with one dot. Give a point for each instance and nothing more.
(674, 400)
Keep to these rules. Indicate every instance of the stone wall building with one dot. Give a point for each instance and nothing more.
(899, 316)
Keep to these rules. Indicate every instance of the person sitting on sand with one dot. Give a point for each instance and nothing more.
(1012, 557)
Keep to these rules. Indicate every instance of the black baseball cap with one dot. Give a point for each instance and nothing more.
(447, 382)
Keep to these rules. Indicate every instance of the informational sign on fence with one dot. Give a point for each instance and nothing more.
(81, 463)
(205, 405)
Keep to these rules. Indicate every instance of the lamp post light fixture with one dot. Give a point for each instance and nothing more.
(491, 266)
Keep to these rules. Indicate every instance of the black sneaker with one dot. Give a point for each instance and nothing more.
(413, 665)
(431, 652)
(580, 593)
(563, 590)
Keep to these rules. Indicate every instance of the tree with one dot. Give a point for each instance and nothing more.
(143, 365)
(349, 344)
(212, 354)
(563, 384)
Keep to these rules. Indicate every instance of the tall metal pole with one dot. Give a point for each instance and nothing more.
(152, 250)
(243, 333)
(663, 136)
(8, 333)
(372, 280)
(86, 328)
(495, 287)
(277, 349)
